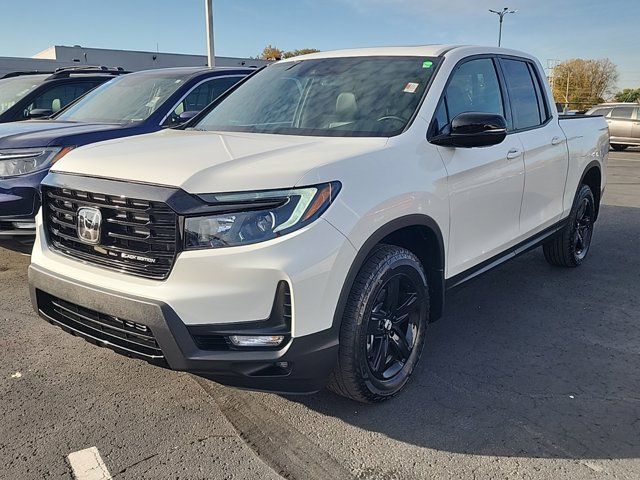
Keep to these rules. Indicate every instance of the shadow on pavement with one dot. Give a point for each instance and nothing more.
(530, 360)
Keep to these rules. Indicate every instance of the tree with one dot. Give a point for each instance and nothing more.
(583, 83)
(302, 51)
(273, 53)
(628, 95)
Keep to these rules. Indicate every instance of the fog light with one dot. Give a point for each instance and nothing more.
(24, 225)
(256, 340)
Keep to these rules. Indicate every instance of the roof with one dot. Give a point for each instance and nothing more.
(617, 104)
(407, 51)
(191, 70)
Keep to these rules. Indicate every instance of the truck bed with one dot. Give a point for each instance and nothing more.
(587, 142)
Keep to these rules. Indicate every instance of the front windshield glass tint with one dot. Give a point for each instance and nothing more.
(13, 89)
(126, 99)
(355, 96)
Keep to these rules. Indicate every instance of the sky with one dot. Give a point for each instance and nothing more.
(549, 29)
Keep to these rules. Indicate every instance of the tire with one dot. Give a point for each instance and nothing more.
(368, 371)
(571, 245)
(619, 148)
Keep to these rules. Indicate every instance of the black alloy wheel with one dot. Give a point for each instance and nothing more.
(583, 228)
(383, 326)
(570, 246)
(392, 326)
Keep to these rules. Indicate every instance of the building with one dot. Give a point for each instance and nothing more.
(64, 56)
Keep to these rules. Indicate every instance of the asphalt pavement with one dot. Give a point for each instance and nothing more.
(533, 373)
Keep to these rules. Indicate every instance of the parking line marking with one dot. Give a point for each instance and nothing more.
(87, 464)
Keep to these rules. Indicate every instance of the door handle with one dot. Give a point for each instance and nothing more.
(514, 153)
(556, 141)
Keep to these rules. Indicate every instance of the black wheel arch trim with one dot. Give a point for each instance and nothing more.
(597, 195)
(435, 274)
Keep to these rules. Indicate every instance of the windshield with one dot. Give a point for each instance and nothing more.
(125, 99)
(355, 96)
(13, 89)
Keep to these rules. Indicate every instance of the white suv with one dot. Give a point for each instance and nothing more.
(305, 227)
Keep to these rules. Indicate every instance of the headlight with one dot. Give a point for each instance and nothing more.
(21, 161)
(246, 218)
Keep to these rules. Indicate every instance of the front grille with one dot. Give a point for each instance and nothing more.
(124, 336)
(137, 236)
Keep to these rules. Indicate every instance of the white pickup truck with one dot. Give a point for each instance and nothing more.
(303, 230)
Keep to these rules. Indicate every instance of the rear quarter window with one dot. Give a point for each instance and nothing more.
(601, 111)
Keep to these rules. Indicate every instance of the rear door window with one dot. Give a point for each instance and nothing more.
(625, 113)
(522, 92)
(59, 96)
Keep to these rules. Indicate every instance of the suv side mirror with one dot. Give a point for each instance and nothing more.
(184, 117)
(474, 129)
(40, 113)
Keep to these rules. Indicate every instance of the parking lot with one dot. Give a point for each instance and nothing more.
(534, 372)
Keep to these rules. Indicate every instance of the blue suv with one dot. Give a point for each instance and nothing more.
(133, 104)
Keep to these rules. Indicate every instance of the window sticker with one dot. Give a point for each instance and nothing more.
(427, 64)
(411, 87)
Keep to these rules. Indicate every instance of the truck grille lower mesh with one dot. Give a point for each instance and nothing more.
(121, 335)
(137, 236)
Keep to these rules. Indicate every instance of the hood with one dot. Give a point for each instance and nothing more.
(205, 162)
(40, 133)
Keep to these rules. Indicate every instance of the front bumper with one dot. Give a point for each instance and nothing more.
(20, 196)
(302, 365)
(17, 233)
(19, 202)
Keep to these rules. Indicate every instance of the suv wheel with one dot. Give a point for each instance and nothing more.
(570, 247)
(383, 326)
(619, 148)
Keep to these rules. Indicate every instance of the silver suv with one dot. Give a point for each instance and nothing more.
(624, 123)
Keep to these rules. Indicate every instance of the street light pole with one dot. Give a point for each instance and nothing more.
(501, 14)
(208, 8)
(566, 95)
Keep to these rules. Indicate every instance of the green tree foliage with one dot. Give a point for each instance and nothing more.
(582, 83)
(273, 53)
(302, 51)
(628, 95)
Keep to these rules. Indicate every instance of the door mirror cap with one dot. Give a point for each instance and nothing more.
(40, 113)
(184, 117)
(474, 129)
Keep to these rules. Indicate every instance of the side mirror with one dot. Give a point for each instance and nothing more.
(474, 129)
(40, 113)
(184, 117)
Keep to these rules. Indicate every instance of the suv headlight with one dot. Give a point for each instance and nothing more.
(22, 161)
(246, 218)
